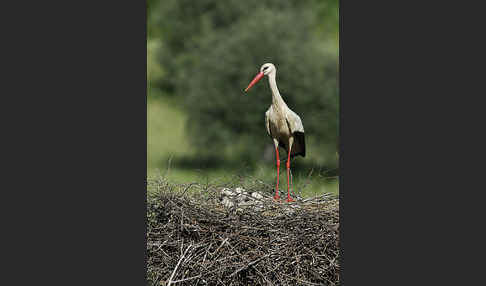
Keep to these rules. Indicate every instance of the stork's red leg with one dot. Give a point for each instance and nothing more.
(277, 197)
(289, 199)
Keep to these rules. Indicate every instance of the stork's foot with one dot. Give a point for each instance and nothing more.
(289, 199)
(276, 197)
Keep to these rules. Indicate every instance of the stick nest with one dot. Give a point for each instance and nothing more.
(192, 239)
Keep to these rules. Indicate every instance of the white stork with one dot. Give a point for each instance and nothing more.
(283, 125)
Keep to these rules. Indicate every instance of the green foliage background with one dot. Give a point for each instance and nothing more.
(202, 54)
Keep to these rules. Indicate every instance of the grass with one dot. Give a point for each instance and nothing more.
(307, 187)
(165, 132)
(167, 138)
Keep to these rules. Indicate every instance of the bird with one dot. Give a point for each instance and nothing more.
(283, 125)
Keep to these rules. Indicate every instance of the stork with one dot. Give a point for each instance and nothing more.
(283, 125)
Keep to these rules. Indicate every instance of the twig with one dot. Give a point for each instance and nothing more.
(302, 281)
(249, 264)
(177, 266)
(219, 246)
(168, 166)
(182, 280)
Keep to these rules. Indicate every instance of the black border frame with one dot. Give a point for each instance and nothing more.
(77, 173)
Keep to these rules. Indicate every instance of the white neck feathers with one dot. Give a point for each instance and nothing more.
(276, 97)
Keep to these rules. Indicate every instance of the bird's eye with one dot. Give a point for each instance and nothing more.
(265, 68)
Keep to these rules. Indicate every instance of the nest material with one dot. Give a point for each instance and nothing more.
(192, 239)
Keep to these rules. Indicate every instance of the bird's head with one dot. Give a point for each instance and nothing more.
(266, 69)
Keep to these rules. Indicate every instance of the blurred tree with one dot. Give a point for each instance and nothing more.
(153, 18)
(155, 73)
(185, 22)
(212, 49)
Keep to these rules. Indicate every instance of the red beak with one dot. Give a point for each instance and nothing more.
(255, 80)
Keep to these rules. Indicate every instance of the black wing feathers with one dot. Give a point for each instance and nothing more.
(299, 138)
